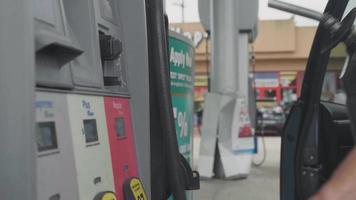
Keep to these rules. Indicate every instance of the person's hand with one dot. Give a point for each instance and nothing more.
(342, 184)
(327, 194)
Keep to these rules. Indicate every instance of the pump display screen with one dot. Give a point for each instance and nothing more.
(120, 127)
(46, 136)
(90, 130)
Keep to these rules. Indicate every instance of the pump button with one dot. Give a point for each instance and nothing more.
(105, 196)
(110, 47)
(133, 189)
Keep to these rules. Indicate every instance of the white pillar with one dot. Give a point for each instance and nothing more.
(224, 32)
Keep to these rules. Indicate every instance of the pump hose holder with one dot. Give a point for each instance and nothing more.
(191, 178)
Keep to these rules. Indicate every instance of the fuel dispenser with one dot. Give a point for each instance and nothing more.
(55, 157)
(117, 108)
(97, 99)
(86, 147)
(91, 145)
(122, 145)
(53, 44)
(111, 47)
(61, 64)
(55, 154)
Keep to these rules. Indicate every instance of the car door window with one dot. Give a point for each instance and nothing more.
(335, 136)
(301, 160)
(332, 90)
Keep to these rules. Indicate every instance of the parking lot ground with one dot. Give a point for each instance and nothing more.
(262, 183)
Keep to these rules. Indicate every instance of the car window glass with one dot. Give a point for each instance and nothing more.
(350, 5)
(332, 90)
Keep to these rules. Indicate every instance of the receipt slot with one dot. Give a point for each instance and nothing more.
(90, 144)
(122, 144)
(56, 174)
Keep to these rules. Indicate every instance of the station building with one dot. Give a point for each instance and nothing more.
(281, 51)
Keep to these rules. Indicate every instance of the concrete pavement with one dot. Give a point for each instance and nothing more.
(262, 184)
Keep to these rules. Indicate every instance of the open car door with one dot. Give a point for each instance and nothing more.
(317, 135)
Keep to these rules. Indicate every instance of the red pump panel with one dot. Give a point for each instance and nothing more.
(121, 140)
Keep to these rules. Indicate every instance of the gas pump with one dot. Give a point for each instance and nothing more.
(82, 102)
(55, 157)
(89, 125)
(111, 47)
(117, 108)
(122, 145)
(55, 150)
(91, 144)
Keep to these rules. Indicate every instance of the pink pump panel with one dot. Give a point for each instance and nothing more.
(121, 140)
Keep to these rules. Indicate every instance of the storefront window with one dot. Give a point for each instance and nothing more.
(267, 86)
(266, 79)
(288, 79)
(289, 95)
(288, 82)
(270, 94)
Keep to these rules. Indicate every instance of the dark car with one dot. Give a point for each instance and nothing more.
(270, 121)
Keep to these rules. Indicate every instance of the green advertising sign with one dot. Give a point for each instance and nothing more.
(183, 116)
(182, 91)
(181, 66)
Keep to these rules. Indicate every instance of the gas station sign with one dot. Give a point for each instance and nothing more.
(182, 90)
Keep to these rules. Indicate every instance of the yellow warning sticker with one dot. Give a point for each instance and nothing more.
(109, 196)
(137, 189)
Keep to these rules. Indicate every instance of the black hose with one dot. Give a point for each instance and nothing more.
(162, 107)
